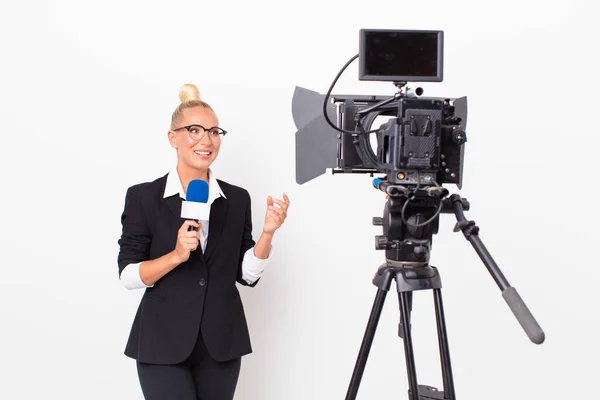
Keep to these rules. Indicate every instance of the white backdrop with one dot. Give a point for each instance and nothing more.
(86, 94)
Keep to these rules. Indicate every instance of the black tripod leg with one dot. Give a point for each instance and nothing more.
(443, 343)
(401, 325)
(405, 299)
(365, 347)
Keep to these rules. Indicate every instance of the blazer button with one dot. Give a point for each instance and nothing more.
(202, 282)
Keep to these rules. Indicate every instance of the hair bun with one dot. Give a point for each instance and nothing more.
(189, 92)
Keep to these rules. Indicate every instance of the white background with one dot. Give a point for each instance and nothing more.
(86, 94)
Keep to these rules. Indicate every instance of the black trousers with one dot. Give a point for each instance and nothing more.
(199, 377)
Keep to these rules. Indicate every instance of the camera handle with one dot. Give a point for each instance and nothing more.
(509, 293)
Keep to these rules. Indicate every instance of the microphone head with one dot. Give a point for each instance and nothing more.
(196, 204)
(197, 191)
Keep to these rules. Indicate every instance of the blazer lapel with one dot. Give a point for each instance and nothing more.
(218, 213)
(174, 204)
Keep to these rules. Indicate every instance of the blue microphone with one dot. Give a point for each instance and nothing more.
(195, 206)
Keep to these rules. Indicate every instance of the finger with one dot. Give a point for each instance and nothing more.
(279, 211)
(194, 233)
(189, 241)
(185, 239)
(190, 247)
(187, 223)
(276, 216)
(190, 222)
(286, 198)
(192, 237)
(281, 203)
(191, 234)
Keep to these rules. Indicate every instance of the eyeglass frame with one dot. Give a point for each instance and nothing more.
(187, 128)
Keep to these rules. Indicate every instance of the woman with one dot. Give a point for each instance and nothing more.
(190, 332)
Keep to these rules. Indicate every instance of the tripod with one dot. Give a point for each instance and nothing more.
(407, 242)
(408, 280)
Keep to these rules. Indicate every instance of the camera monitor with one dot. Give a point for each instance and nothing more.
(401, 55)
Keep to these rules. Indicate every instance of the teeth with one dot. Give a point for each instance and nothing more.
(203, 153)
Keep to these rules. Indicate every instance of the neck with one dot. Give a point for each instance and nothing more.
(187, 174)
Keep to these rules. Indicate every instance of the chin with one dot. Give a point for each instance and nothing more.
(204, 164)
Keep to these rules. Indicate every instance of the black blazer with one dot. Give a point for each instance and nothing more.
(198, 296)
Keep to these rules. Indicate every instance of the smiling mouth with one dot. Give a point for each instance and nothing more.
(203, 153)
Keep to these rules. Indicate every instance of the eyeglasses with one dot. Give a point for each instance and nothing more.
(197, 132)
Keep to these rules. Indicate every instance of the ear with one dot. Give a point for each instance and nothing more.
(172, 136)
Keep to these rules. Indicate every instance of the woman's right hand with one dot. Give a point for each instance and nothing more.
(187, 241)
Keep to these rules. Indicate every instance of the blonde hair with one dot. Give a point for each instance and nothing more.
(190, 98)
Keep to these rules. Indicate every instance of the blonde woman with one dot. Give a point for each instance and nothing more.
(190, 331)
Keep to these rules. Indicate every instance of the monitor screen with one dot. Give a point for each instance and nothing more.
(401, 55)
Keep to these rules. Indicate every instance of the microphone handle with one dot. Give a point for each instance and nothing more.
(193, 228)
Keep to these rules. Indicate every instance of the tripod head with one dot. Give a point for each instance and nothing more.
(410, 219)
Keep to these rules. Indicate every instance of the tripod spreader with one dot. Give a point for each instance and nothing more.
(512, 298)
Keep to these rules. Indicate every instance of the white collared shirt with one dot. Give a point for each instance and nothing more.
(252, 266)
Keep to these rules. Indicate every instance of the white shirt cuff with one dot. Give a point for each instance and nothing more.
(254, 267)
(130, 277)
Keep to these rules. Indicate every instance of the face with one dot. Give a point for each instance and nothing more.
(197, 154)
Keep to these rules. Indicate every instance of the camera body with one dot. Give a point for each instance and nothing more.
(422, 141)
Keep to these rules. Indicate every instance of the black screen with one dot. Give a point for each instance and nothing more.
(401, 55)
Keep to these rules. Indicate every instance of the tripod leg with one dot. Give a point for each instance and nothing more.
(405, 299)
(444, 348)
(365, 347)
(400, 325)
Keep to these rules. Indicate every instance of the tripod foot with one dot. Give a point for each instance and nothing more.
(429, 393)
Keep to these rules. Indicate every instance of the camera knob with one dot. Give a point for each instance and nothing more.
(380, 242)
(459, 136)
(421, 253)
(377, 221)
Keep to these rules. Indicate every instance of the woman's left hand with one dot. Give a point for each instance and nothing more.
(276, 213)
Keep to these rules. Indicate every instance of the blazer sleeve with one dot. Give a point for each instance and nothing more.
(247, 241)
(134, 244)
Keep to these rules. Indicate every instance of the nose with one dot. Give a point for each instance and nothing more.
(205, 139)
